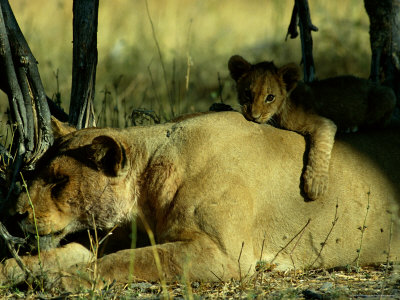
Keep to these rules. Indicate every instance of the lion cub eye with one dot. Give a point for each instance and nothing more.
(270, 98)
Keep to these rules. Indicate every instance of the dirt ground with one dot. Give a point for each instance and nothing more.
(380, 282)
(371, 283)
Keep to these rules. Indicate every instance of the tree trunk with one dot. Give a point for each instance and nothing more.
(81, 110)
(384, 16)
(24, 88)
(30, 112)
(27, 99)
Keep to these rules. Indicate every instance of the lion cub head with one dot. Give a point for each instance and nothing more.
(262, 88)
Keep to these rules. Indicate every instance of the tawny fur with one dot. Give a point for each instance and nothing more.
(317, 109)
(211, 188)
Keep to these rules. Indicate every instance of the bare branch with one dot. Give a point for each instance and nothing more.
(294, 22)
(26, 87)
(323, 244)
(306, 27)
(362, 229)
(291, 240)
(15, 95)
(15, 100)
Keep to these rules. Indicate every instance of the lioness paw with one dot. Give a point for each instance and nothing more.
(315, 183)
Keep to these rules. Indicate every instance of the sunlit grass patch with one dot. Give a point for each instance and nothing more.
(196, 39)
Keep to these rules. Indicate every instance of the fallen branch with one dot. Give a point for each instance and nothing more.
(11, 241)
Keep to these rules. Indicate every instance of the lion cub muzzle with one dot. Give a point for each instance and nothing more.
(251, 113)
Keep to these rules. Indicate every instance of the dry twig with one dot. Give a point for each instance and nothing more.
(288, 243)
(362, 229)
(323, 244)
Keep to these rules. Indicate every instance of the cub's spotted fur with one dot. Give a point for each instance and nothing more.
(316, 109)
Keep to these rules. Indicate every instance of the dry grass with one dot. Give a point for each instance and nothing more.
(370, 283)
(196, 39)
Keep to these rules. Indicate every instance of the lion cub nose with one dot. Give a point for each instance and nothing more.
(256, 116)
(255, 112)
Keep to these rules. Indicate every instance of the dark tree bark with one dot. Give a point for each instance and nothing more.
(384, 17)
(30, 112)
(38, 134)
(29, 105)
(301, 17)
(81, 111)
(27, 99)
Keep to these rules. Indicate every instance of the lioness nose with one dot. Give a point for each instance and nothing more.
(21, 207)
(21, 216)
(16, 209)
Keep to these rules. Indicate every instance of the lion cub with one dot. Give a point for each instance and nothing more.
(270, 94)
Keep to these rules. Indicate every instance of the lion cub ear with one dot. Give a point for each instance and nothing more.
(238, 66)
(290, 74)
(59, 128)
(108, 155)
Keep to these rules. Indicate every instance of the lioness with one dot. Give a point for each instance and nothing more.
(315, 109)
(218, 192)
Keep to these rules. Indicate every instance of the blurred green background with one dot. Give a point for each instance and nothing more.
(196, 38)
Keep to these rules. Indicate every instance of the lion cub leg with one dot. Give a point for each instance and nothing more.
(316, 174)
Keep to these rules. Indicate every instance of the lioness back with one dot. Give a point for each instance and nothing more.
(218, 193)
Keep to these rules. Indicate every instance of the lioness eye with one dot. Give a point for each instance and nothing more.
(58, 186)
(269, 98)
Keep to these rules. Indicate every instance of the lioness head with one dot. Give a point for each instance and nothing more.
(262, 88)
(81, 182)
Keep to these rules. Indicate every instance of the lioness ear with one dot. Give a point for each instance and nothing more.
(291, 75)
(238, 66)
(59, 128)
(108, 155)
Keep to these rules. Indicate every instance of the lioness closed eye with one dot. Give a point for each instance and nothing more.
(316, 109)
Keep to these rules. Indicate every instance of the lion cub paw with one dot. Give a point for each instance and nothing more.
(315, 183)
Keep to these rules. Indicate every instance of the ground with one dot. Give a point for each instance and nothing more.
(377, 282)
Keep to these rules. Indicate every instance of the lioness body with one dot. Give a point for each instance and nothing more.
(215, 188)
(315, 109)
